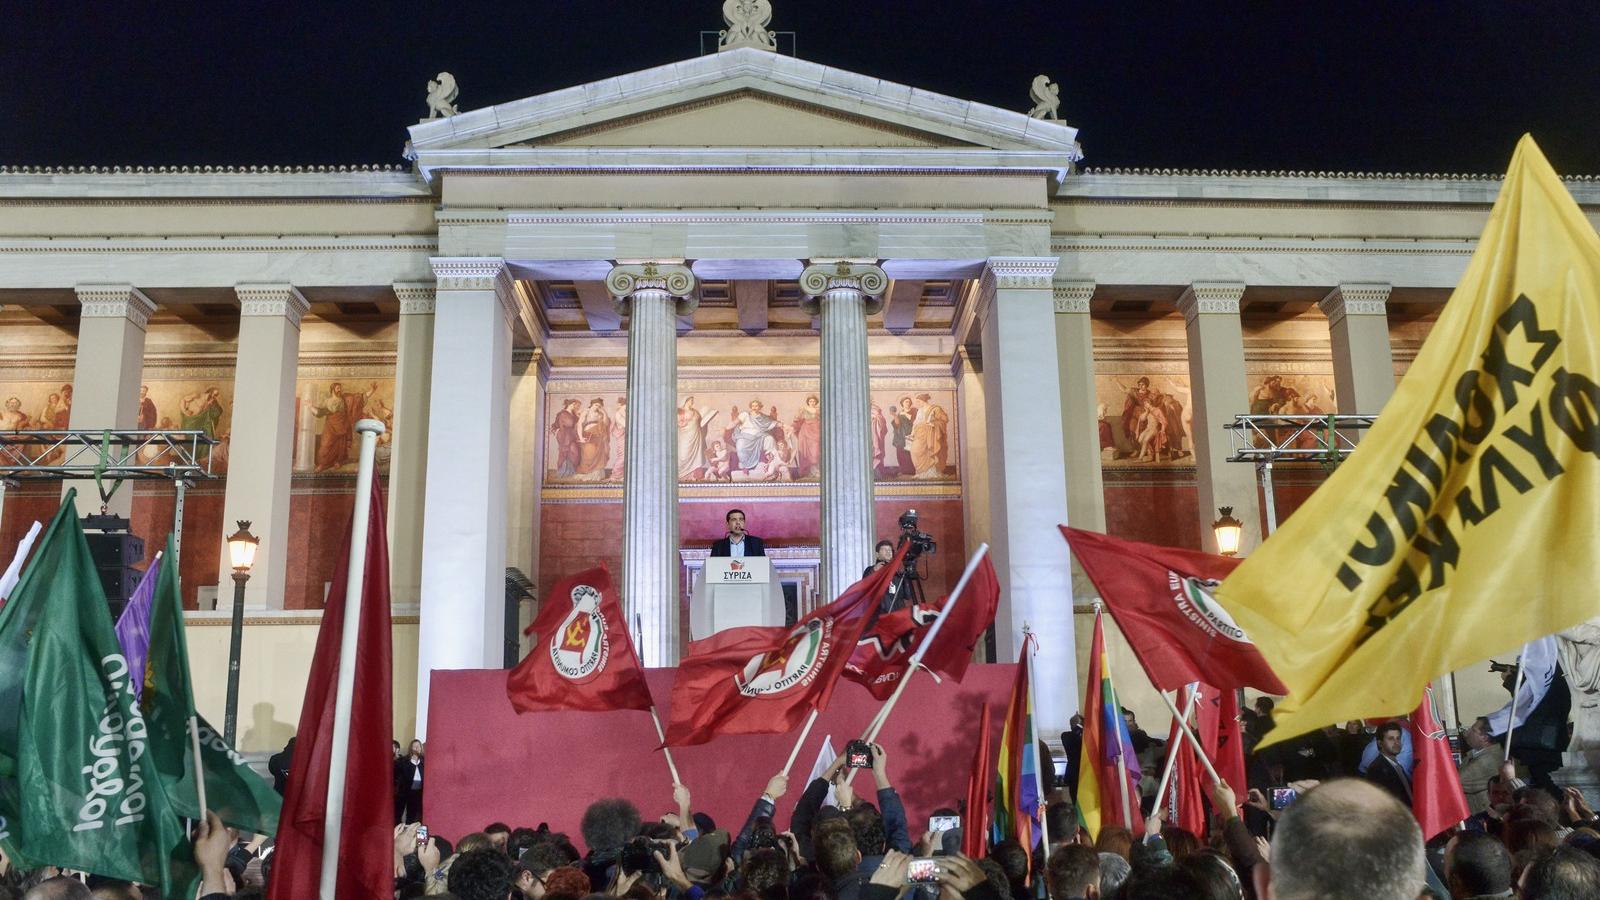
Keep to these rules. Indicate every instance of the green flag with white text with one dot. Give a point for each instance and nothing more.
(234, 792)
(76, 786)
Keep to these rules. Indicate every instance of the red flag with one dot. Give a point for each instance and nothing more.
(582, 656)
(1184, 807)
(765, 680)
(1222, 736)
(1164, 601)
(975, 827)
(1436, 797)
(366, 844)
(882, 657)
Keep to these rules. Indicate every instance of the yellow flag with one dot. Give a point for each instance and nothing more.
(1467, 521)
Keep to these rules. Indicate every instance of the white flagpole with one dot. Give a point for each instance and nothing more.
(355, 574)
(1038, 779)
(1172, 752)
(1193, 741)
(1511, 721)
(199, 768)
(810, 721)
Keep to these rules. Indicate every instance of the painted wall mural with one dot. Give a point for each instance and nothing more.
(1291, 394)
(1144, 420)
(753, 434)
(190, 404)
(326, 413)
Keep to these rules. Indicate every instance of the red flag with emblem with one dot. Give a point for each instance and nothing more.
(766, 680)
(1221, 735)
(881, 659)
(582, 656)
(1163, 600)
(1436, 797)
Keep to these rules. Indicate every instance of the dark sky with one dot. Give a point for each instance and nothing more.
(1359, 85)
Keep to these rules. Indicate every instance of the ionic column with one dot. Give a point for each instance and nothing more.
(652, 296)
(408, 459)
(1217, 388)
(1363, 365)
(105, 378)
(843, 294)
(1028, 476)
(464, 525)
(261, 444)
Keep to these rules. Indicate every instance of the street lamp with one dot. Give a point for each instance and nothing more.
(1227, 530)
(242, 553)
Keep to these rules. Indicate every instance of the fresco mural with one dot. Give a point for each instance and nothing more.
(749, 435)
(1144, 420)
(1285, 394)
(196, 404)
(326, 413)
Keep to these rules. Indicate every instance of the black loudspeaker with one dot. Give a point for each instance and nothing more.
(115, 553)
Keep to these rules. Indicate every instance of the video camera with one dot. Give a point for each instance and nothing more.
(921, 541)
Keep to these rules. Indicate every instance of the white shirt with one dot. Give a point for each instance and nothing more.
(736, 548)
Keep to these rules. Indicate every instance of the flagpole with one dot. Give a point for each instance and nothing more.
(664, 748)
(916, 658)
(1172, 754)
(1038, 782)
(1511, 722)
(1122, 774)
(810, 720)
(199, 768)
(355, 575)
(1193, 741)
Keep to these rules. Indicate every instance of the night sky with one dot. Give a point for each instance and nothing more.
(1401, 86)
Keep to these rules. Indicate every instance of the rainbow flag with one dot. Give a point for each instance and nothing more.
(1105, 740)
(1017, 803)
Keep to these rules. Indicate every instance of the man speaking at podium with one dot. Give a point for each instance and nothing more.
(737, 543)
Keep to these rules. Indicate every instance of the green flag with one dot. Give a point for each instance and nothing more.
(76, 786)
(238, 796)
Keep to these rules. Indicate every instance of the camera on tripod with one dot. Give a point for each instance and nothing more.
(907, 587)
(921, 541)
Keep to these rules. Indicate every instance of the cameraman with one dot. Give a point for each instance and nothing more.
(882, 555)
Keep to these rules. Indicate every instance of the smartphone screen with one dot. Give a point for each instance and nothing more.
(1282, 797)
(922, 870)
(943, 823)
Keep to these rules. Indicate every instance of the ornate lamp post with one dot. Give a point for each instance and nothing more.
(242, 553)
(1227, 530)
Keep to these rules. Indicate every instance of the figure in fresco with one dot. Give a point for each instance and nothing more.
(1172, 412)
(1264, 400)
(930, 439)
(1135, 401)
(619, 440)
(720, 463)
(594, 441)
(901, 421)
(565, 428)
(692, 425)
(807, 438)
(880, 431)
(1108, 440)
(786, 462)
(202, 411)
(63, 417)
(147, 409)
(51, 413)
(153, 454)
(339, 413)
(12, 418)
(752, 434)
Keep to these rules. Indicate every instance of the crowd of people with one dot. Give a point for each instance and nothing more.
(1347, 836)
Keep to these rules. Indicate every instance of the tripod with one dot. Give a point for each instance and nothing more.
(906, 589)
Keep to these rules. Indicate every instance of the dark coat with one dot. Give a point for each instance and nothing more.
(753, 546)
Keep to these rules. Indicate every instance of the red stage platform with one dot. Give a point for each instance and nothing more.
(488, 764)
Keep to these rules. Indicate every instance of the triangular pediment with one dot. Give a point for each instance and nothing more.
(742, 98)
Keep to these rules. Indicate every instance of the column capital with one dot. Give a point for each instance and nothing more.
(673, 279)
(417, 298)
(966, 359)
(272, 301)
(1355, 300)
(862, 277)
(478, 273)
(115, 301)
(1018, 273)
(1073, 296)
(1204, 298)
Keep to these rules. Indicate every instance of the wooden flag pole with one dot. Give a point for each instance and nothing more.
(355, 576)
(671, 766)
(1193, 741)
(1511, 722)
(810, 720)
(1172, 755)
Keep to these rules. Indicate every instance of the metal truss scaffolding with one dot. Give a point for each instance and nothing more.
(1269, 439)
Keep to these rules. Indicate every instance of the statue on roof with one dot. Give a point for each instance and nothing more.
(747, 25)
(442, 94)
(1046, 98)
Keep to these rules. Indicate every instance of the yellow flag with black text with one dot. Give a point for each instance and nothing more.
(1467, 520)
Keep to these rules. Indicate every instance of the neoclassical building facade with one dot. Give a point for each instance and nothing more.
(595, 319)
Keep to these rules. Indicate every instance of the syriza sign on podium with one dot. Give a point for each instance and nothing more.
(746, 570)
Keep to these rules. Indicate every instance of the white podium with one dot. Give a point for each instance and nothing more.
(730, 592)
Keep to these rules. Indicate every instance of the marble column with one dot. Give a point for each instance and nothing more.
(1080, 430)
(260, 446)
(1028, 476)
(462, 619)
(1218, 394)
(408, 459)
(842, 294)
(530, 372)
(652, 296)
(1363, 365)
(105, 378)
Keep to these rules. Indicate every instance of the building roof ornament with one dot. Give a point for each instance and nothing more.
(1046, 96)
(747, 25)
(442, 94)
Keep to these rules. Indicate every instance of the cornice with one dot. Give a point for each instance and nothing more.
(1073, 296)
(932, 171)
(1130, 244)
(1210, 298)
(1355, 300)
(115, 301)
(421, 244)
(272, 301)
(416, 297)
(709, 217)
(182, 201)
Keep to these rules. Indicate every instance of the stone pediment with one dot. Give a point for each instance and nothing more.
(702, 110)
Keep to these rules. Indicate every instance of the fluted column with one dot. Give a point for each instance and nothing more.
(105, 379)
(843, 293)
(1363, 363)
(408, 460)
(652, 296)
(261, 442)
(1217, 386)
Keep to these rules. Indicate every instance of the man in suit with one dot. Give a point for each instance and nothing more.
(737, 543)
(1386, 771)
